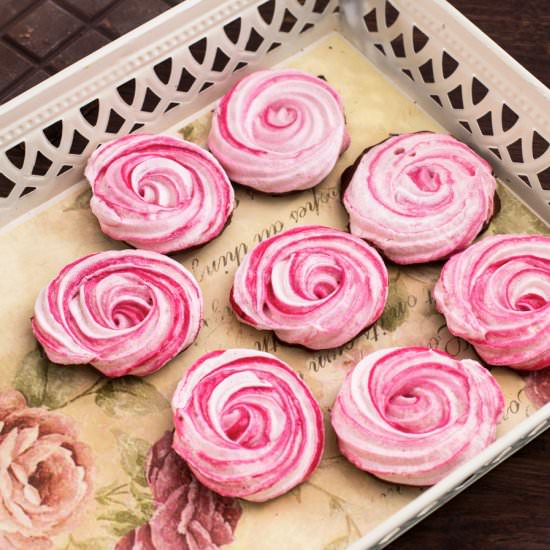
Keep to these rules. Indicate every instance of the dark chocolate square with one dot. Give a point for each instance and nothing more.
(129, 14)
(88, 42)
(10, 8)
(89, 8)
(13, 65)
(34, 78)
(44, 28)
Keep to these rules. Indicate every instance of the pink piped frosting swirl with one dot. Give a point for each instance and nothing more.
(420, 197)
(412, 415)
(313, 285)
(279, 131)
(158, 192)
(246, 424)
(124, 312)
(496, 295)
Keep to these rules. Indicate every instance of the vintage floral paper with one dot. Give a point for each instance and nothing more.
(187, 515)
(120, 420)
(46, 474)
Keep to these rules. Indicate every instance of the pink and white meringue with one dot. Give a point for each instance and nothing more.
(420, 197)
(158, 192)
(411, 415)
(496, 295)
(279, 131)
(124, 312)
(314, 286)
(246, 424)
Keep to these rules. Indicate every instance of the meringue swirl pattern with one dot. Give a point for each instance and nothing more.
(420, 197)
(411, 415)
(158, 192)
(279, 131)
(496, 295)
(124, 312)
(246, 424)
(313, 285)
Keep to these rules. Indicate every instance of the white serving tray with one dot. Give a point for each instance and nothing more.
(432, 53)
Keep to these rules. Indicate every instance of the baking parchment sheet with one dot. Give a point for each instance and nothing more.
(120, 419)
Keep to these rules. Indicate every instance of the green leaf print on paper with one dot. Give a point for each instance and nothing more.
(64, 384)
(81, 202)
(30, 378)
(198, 130)
(53, 386)
(120, 523)
(112, 494)
(337, 504)
(127, 515)
(96, 543)
(514, 217)
(124, 517)
(143, 499)
(187, 132)
(129, 395)
(130, 504)
(133, 452)
(44, 383)
(337, 544)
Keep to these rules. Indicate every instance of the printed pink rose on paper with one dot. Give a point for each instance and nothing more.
(188, 516)
(537, 387)
(45, 474)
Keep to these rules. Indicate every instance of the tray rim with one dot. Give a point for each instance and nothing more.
(25, 117)
(515, 87)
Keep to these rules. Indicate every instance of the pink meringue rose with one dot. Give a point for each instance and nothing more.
(420, 197)
(158, 192)
(46, 474)
(125, 312)
(496, 295)
(313, 285)
(411, 415)
(279, 131)
(246, 424)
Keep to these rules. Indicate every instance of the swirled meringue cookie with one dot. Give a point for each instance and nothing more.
(419, 197)
(124, 312)
(158, 192)
(279, 131)
(411, 415)
(496, 295)
(314, 286)
(246, 424)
